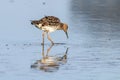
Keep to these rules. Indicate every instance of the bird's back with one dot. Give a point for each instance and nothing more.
(49, 20)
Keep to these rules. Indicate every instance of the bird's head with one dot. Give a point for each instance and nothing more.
(65, 29)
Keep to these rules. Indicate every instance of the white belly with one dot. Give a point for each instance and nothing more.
(49, 28)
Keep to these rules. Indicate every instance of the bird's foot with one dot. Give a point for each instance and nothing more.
(52, 43)
(42, 43)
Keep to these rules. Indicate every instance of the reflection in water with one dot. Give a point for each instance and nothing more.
(50, 63)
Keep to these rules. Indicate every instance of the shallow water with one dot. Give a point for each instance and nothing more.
(93, 44)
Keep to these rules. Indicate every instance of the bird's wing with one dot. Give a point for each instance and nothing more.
(50, 20)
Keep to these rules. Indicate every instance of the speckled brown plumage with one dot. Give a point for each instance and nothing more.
(50, 20)
(50, 24)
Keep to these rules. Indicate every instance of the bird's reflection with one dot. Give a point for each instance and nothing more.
(50, 63)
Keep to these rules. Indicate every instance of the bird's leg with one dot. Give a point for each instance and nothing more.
(43, 51)
(48, 36)
(43, 35)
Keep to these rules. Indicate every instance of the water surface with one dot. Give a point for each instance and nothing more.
(93, 44)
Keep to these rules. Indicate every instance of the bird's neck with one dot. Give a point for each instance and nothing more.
(60, 27)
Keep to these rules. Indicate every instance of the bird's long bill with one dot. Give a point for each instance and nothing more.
(67, 35)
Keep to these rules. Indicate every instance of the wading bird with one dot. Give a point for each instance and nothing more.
(50, 24)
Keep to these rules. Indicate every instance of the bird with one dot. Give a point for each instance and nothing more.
(50, 24)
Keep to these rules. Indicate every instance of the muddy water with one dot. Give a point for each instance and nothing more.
(90, 53)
